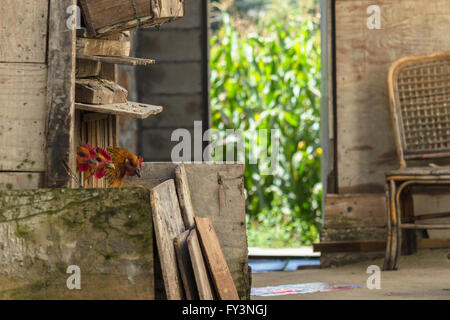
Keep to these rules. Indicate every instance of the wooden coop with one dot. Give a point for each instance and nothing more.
(357, 132)
(58, 89)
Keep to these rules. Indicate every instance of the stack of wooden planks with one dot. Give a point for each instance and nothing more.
(99, 99)
(192, 262)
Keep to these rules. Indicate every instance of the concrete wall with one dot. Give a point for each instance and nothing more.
(178, 82)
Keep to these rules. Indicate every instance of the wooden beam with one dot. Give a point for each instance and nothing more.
(130, 61)
(97, 47)
(60, 96)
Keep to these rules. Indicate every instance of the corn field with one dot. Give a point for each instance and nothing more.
(267, 76)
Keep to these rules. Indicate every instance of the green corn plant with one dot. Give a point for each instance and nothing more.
(270, 79)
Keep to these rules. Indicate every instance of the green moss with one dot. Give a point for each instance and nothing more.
(22, 231)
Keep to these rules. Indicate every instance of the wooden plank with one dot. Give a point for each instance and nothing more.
(130, 61)
(185, 266)
(60, 96)
(168, 225)
(215, 259)
(374, 245)
(22, 116)
(409, 28)
(86, 68)
(23, 34)
(130, 109)
(355, 210)
(351, 246)
(112, 247)
(184, 196)
(433, 243)
(204, 285)
(103, 18)
(99, 91)
(100, 47)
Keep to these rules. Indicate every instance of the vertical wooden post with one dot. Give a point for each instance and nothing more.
(60, 120)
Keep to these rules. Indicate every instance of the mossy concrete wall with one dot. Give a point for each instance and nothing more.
(107, 233)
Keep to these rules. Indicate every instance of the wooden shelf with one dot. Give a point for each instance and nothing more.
(131, 109)
(118, 60)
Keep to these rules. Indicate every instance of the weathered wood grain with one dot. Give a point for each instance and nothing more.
(86, 68)
(185, 266)
(22, 116)
(355, 210)
(168, 225)
(100, 47)
(23, 31)
(106, 232)
(184, 196)
(364, 131)
(99, 91)
(203, 282)
(217, 264)
(104, 18)
(60, 122)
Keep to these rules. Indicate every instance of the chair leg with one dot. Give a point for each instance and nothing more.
(409, 239)
(387, 258)
(395, 218)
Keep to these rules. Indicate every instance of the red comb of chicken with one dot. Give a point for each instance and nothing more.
(85, 157)
(104, 161)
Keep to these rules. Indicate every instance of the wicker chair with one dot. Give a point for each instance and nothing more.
(419, 96)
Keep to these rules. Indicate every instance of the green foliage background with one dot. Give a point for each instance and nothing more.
(265, 74)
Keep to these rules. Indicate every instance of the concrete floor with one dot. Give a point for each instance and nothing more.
(424, 275)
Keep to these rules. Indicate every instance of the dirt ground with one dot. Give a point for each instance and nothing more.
(424, 275)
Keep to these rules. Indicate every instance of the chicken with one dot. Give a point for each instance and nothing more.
(86, 157)
(125, 164)
(103, 162)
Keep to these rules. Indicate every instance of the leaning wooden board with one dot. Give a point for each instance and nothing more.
(204, 286)
(223, 282)
(168, 225)
(185, 265)
(184, 196)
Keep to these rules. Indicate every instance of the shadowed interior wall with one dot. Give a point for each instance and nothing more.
(179, 81)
